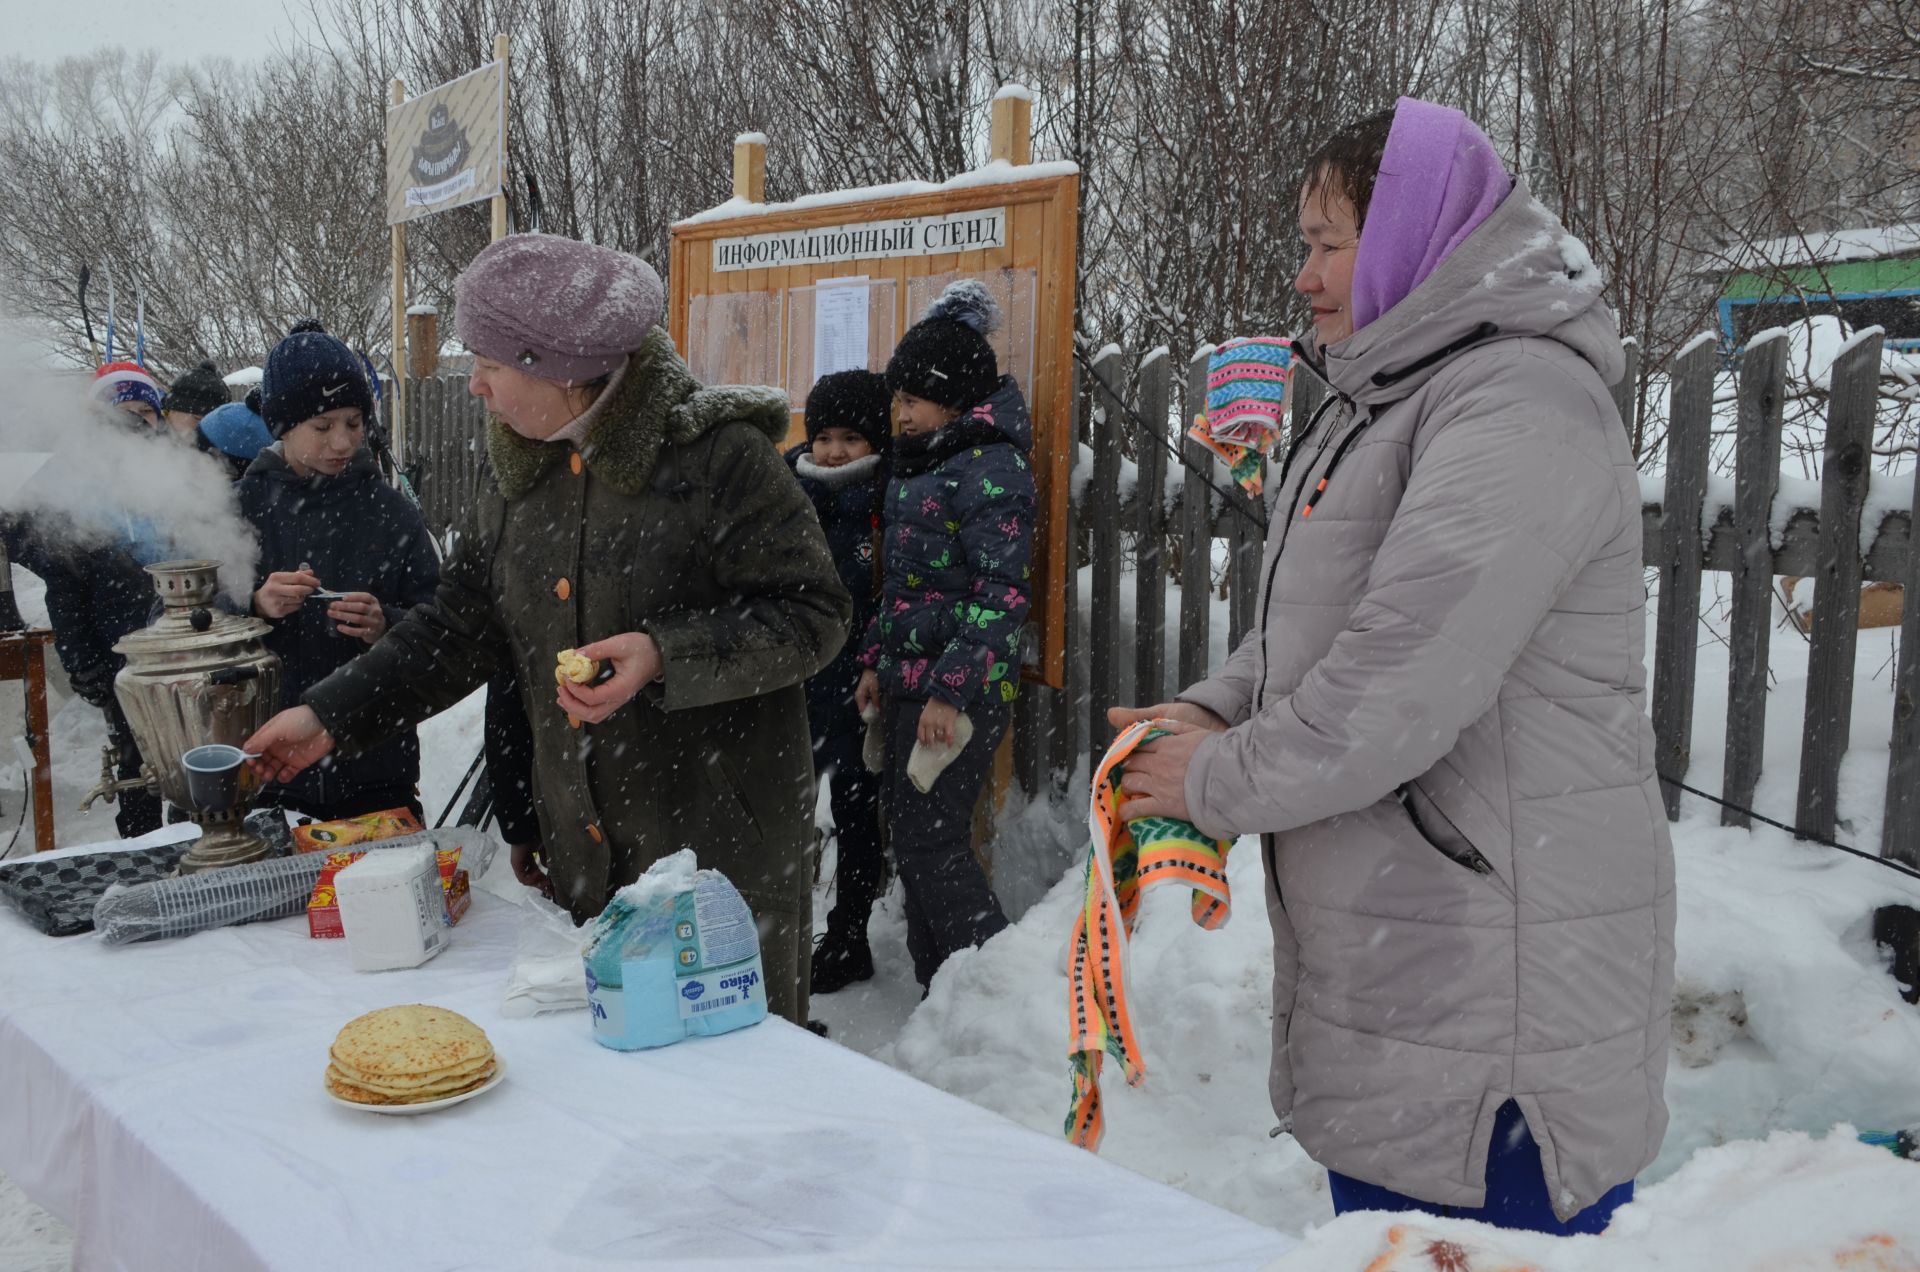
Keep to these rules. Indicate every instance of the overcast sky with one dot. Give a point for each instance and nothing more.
(180, 30)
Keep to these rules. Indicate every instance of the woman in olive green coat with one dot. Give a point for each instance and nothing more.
(651, 524)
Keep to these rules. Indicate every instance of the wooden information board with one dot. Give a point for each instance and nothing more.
(748, 301)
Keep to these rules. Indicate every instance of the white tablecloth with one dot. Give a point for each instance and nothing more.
(166, 1101)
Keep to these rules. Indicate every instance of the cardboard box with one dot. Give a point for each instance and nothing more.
(323, 907)
(331, 835)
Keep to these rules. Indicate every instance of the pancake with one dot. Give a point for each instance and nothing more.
(408, 1055)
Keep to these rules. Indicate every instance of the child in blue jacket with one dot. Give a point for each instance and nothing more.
(943, 654)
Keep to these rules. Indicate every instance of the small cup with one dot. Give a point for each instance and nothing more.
(218, 778)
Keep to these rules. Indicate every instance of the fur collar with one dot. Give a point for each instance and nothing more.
(655, 403)
(863, 469)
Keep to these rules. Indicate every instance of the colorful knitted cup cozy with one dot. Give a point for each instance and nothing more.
(1126, 858)
(1247, 383)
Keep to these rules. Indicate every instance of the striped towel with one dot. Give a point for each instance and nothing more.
(1247, 383)
(1126, 857)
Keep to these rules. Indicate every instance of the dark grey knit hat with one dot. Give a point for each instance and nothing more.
(197, 392)
(945, 357)
(859, 400)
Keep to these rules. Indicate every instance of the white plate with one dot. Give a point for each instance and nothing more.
(425, 1106)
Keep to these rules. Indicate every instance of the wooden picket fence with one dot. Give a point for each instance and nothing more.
(446, 446)
(1059, 734)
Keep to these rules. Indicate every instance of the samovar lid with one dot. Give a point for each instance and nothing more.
(190, 623)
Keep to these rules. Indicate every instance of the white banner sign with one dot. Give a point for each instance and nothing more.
(864, 240)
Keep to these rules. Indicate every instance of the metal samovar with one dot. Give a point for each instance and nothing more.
(195, 676)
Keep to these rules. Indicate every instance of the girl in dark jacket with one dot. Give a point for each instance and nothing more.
(943, 655)
(326, 521)
(842, 470)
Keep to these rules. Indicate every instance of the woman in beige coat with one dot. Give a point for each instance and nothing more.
(1438, 726)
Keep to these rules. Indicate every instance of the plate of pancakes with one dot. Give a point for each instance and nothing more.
(410, 1059)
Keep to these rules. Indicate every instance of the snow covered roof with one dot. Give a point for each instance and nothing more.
(999, 172)
(244, 378)
(1828, 247)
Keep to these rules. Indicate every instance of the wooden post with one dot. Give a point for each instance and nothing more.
(1900, 832)
(501, 48)
(397, 406)
(1150, 546)
(1247, 539)
(23, 657)
(1757, 451)
(1068, 706)
(1626, 391)
(1196, 531)
(1304, 396)
(1103, 520)
(1010, 136)
(1844, 471)
(423, 341)
(750, 167)
(1676, 640)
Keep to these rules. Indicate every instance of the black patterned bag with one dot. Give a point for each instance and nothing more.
(57, 895)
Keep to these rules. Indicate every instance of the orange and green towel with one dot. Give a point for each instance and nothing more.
(1126, 858)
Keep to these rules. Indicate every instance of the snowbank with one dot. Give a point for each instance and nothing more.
(1790, 1203)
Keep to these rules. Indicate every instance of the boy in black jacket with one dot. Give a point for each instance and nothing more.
(326, 520)
(849, 428)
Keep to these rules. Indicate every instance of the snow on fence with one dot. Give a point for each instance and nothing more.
(1118, 646)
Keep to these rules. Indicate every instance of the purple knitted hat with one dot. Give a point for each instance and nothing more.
(555, 307)
(1439, 179)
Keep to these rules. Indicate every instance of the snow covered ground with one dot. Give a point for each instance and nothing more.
(1790, 1033)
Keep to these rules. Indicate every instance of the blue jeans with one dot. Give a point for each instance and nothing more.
(1516, 1188)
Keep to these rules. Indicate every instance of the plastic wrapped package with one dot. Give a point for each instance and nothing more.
(276, 888)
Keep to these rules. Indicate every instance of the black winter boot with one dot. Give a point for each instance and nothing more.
(840, 958)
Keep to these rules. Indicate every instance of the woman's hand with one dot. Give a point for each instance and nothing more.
(359, 614)
(1156, 774)
(867, 693)
(529, 867)
(636, 662)
(284, 592)
(287, 744)
(1185, 712)
(936, 723)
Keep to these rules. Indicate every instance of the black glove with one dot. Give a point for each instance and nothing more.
(94, 685)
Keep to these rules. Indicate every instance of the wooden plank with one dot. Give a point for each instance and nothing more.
(1053, 400)
(1066, 710)
(1626, 390)
(1196, 532)
(1756, 481)
(1103, 525)
(1150, 531)
(1248, 538)
(1677, 622)
(1900, 833)
(1304, 396)
(1844, 470)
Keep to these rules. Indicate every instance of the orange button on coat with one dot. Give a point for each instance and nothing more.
(563, 589)
(575, 464)
(593, 833)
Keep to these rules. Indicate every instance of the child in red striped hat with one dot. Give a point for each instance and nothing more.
(131, 387)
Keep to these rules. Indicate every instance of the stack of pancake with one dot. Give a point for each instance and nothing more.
(408, 1055)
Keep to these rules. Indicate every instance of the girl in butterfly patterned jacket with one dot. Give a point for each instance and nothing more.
(942, 658)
